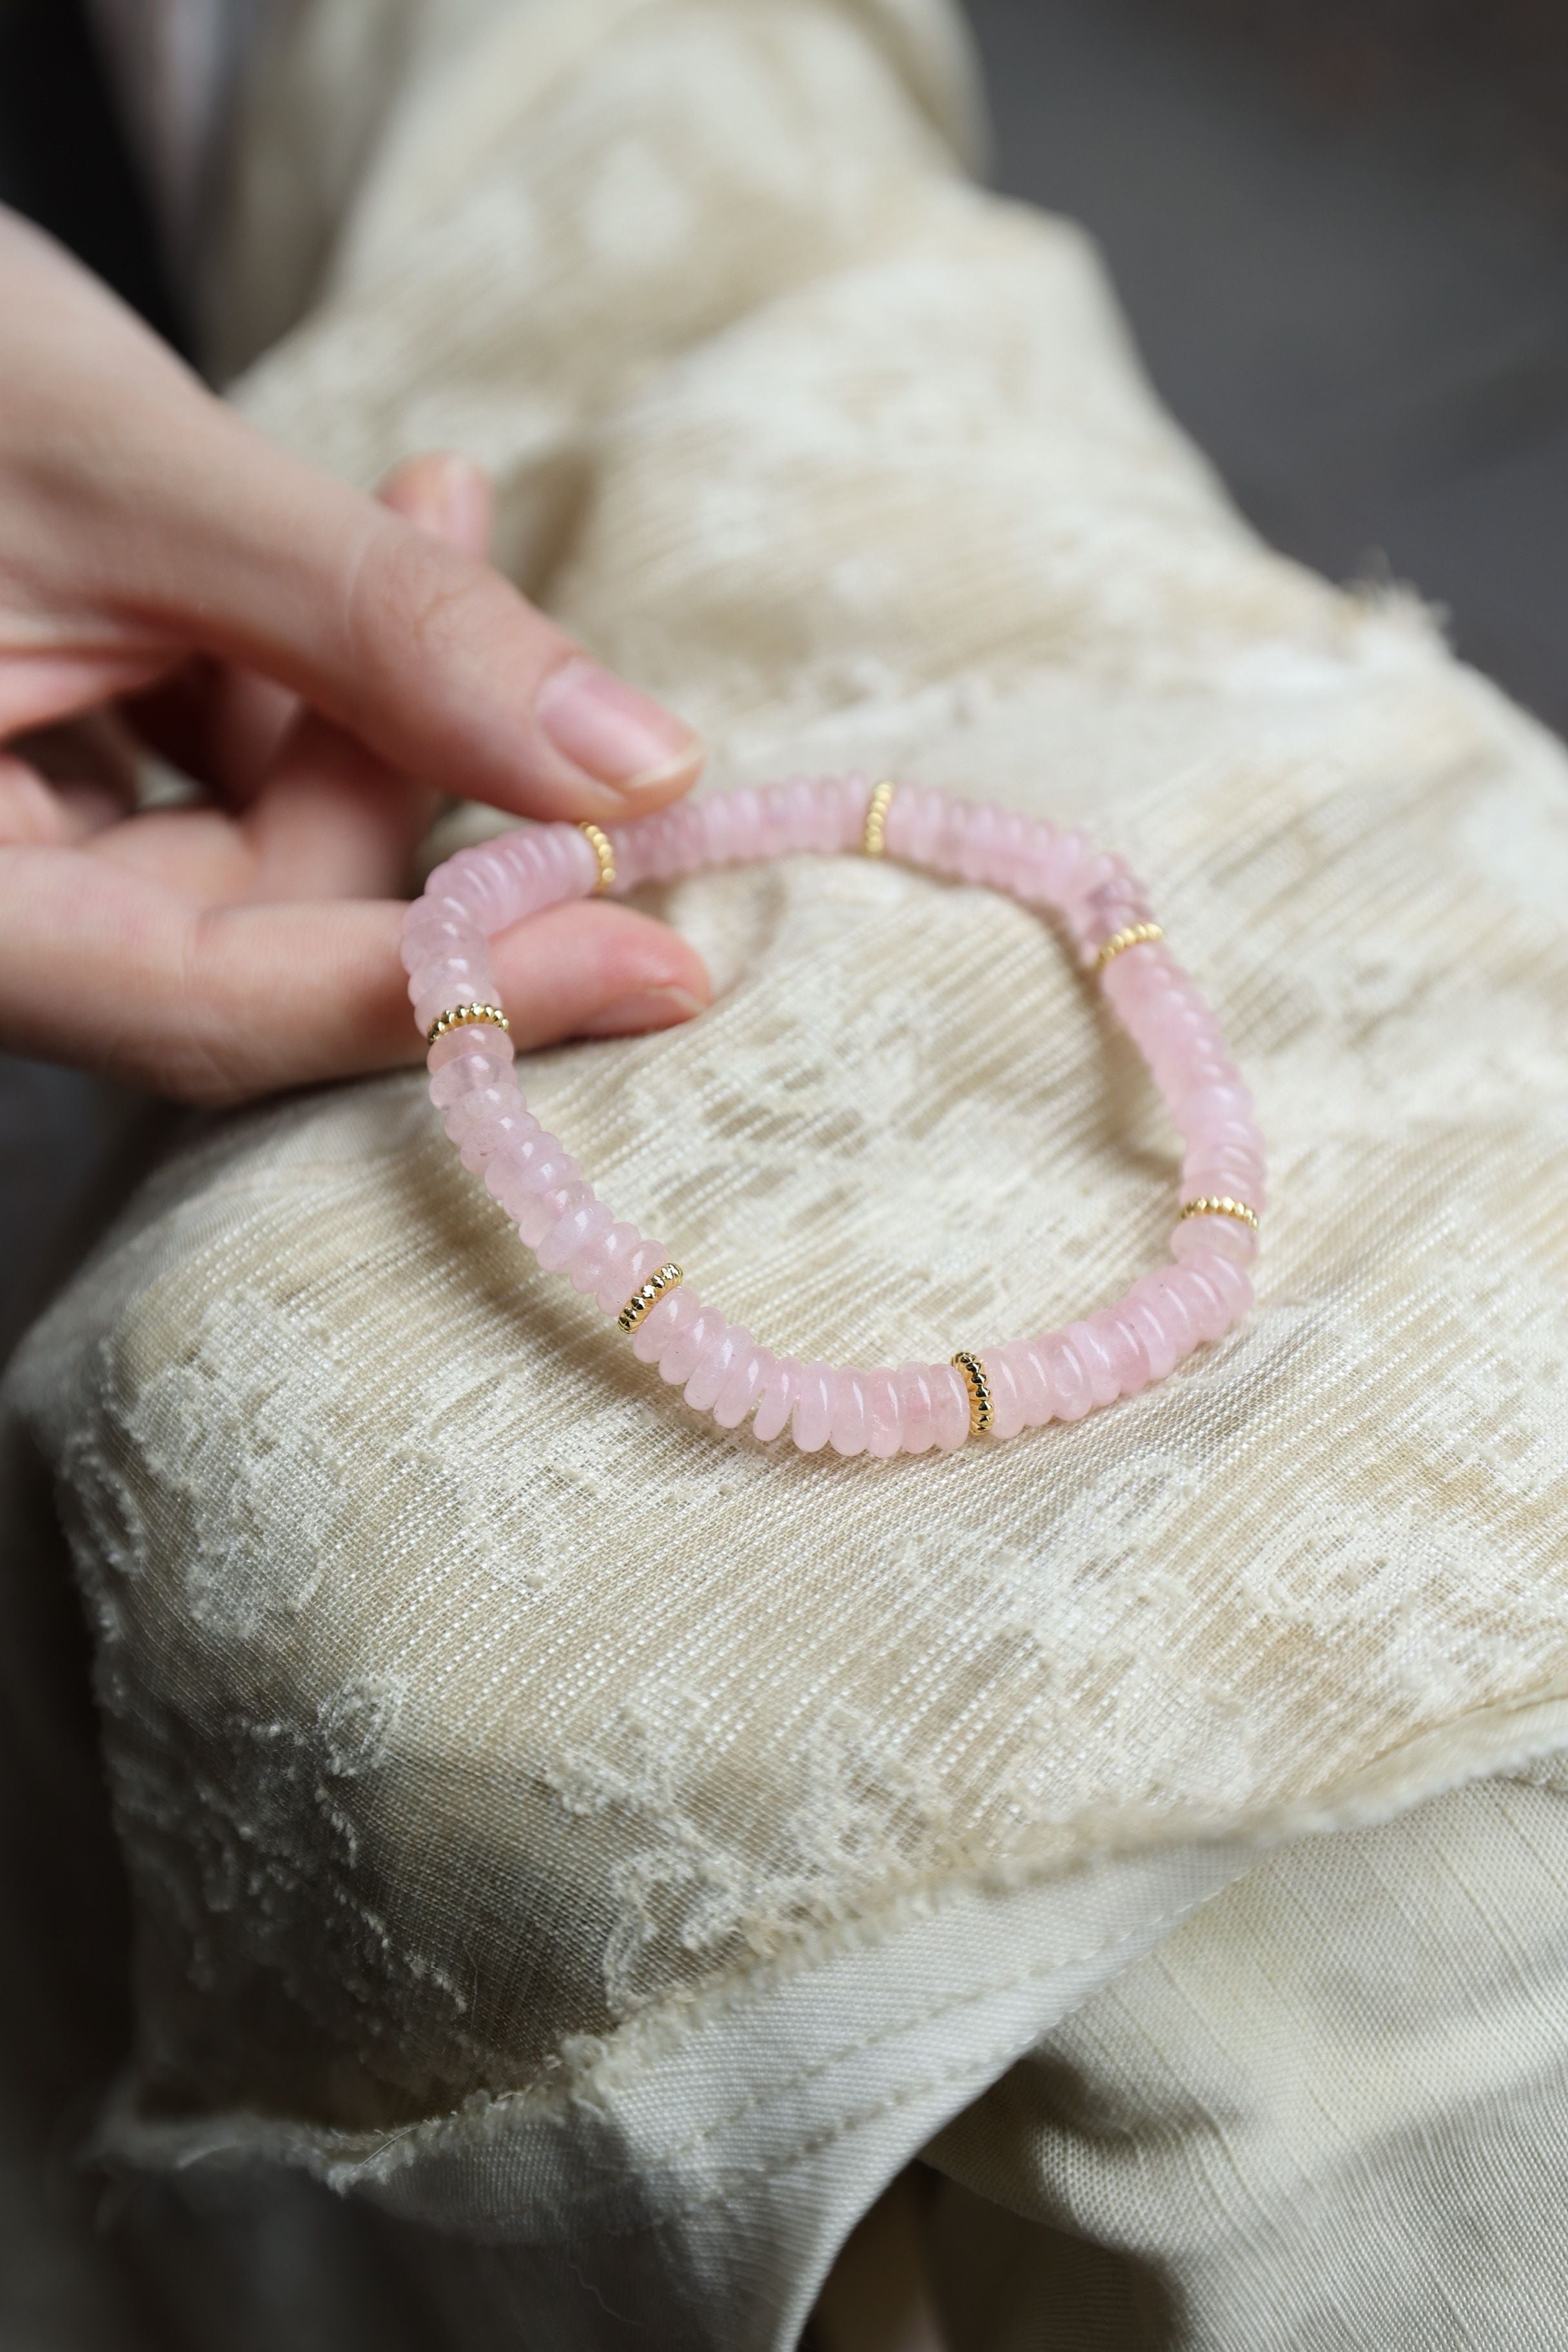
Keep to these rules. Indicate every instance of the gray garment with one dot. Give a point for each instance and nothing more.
(177, 66)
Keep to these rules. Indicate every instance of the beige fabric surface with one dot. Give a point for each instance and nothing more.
(1327, 2112)
(604, 1837)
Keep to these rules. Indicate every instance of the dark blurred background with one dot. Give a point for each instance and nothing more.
(1340, 228)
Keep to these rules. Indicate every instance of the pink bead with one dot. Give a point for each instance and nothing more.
(1094, 1354)
(1006, 1403)
(1028, 1366)
(909, 824)
(884, 1416)
(715, 1364)
(1225, 1135)
(1202, 1302)
(1225, 1180)
(1214, 1236)
(742, 1388)
(664, 1323)
(469, 1076)
(950, 1406)
(645, 1260)
(1168, 1302)
(448, 981)
(569, 1233)
(531, 1165)
(814, 1405)
(616, 1252)
(1231, 1100)
(477, 1144)
(776, 1403)
(535, 1217)
(475, 1037)
(1012, 834)
(438, 927)
(592, 1264)
(1069, 1381)
(1123, 1345)
(1066, 856)
(850, 1429)
(535, 1165)
(482, 1106)
(915, 1407)
(1158, 1345)
(684, 1354)
(1230, 1282)
(543, 1210)
(978, 842)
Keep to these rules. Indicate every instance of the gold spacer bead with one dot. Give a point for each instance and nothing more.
(974, 1370)
(874, 840)
(1136, 935)
(1212, 1205)
(648, 1294)
(462, 1016)
(604, 849)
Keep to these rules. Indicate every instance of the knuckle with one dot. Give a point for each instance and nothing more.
(413, 600)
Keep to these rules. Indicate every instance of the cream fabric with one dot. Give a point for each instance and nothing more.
(615, 1843)
(1327, 2112)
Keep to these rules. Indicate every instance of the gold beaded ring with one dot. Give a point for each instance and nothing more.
(1136, 935)
(874, 839)
(461, 1015)
(648, 1294)
(1221, 1206)
(973, 1372)
(604, 849)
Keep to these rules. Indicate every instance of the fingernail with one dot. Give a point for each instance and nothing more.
(646, 1008)
(610, 730)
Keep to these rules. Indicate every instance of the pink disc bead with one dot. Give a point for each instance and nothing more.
(681, 1357)
(915, 1407)
(621, 1249)
(884, 1413)
(540, 1214)
(666, 1321)
(578, 1228)
(1006, 1397)
(950, 1406)
(1093, 1352)
(742, 1388)
(813, 1417)
(1215, 1236)
(781, 1385)
(851, 1422)
(713, 1366)
(1028, 1369)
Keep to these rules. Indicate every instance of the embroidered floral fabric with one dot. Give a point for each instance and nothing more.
(574, 1826)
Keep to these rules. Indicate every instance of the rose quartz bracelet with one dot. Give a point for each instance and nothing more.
(1057, 1377)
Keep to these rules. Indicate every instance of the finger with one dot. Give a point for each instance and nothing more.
(444, 493)
(332, 819)
(109, 971)
(415, 647)
(223, 726)
(52, 813)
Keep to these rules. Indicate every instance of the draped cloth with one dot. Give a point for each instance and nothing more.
(600, 1848)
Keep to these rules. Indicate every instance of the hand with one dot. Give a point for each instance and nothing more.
(323, 665)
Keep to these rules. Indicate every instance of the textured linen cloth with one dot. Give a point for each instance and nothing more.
(607, 1846)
